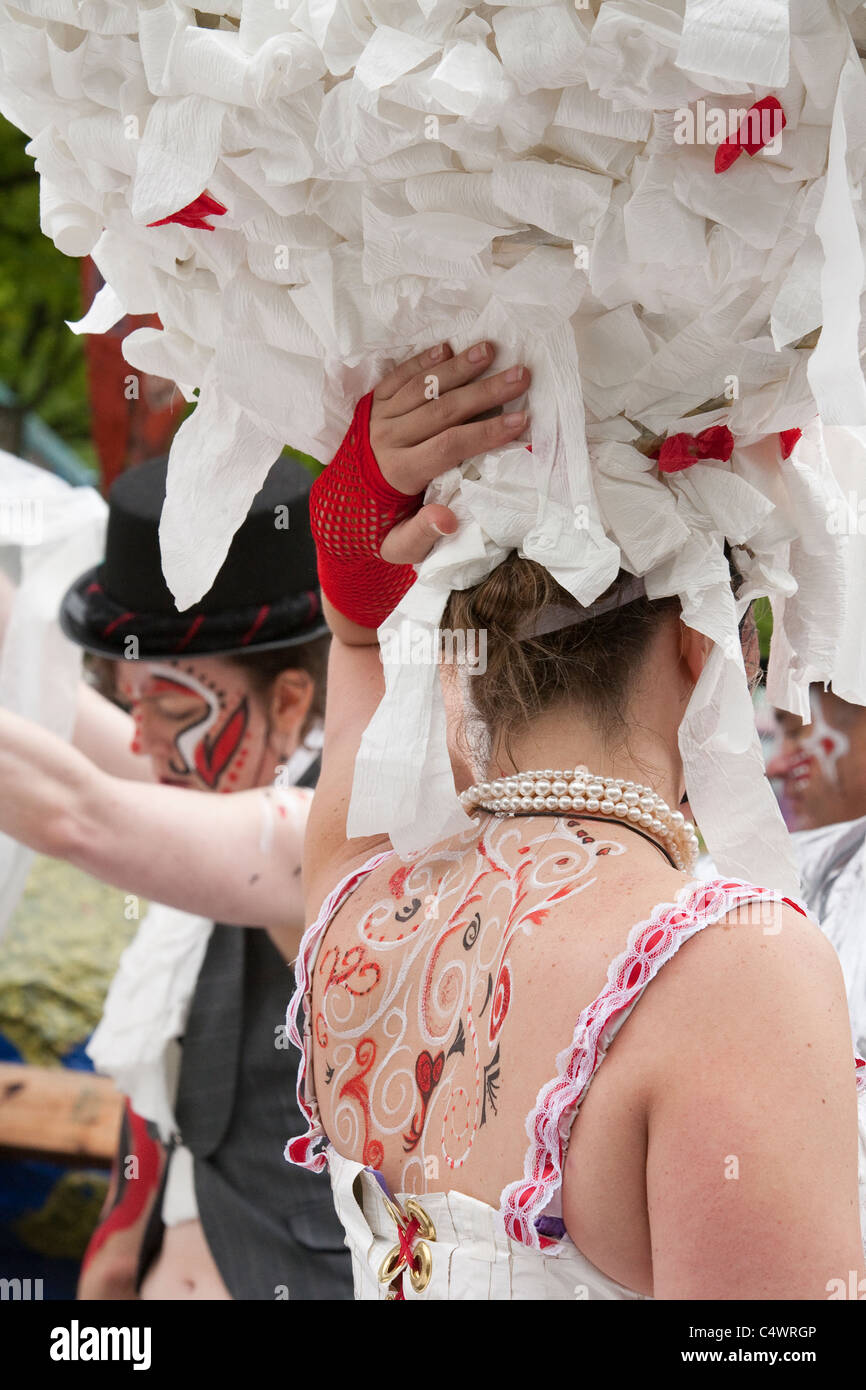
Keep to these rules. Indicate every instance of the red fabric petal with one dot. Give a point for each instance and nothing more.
(788, 439)
(726, 154)
(194, 214)
(767, 129)
(682, 450)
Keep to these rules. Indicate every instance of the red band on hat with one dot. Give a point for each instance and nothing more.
(190, 632)
(259, 619)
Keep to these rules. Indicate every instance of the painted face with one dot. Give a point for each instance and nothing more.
(199, 722)
(814, 765)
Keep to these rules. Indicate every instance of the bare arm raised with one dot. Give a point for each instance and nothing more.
(103, 733)
(414, 440)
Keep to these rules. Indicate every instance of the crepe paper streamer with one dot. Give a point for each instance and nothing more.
(105, 311)
(788, 438)
(744, 40)
(762, 123)
(195, 214)
(680, 451)
(834, 370)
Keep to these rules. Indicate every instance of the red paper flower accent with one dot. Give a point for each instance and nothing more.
(788, 439)
(682, 450)
(195, 214)
(751, 126)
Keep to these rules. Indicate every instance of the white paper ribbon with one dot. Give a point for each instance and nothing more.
(835, 373)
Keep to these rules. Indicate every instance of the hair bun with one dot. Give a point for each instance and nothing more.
(511, 595)
(590, 665)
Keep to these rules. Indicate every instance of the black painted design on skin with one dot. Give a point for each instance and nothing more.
(491, 1086)
(470, 936)
(489, 992)
(459, 1043)
(405, 913)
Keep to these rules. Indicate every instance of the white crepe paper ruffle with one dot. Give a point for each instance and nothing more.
(137, 1041)
(405, 171)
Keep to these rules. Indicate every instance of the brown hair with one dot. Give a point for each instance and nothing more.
(591, 664)
(841, 714)
(262, 669)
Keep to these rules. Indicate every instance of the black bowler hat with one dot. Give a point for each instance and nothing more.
(266, 594)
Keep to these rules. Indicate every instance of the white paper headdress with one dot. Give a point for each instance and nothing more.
(539, 174)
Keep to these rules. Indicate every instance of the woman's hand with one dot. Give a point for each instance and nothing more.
(424, 420)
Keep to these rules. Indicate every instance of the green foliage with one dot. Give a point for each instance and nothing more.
(40, 359)
(764, 622)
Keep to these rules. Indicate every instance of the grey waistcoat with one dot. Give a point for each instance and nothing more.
(271, 1227)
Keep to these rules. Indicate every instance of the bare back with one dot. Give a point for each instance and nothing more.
(444, 991)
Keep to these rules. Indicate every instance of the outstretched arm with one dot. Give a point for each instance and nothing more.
(102, 731)
(234, 858)
(414, 440)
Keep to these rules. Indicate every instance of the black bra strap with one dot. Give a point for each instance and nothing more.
(580, 815)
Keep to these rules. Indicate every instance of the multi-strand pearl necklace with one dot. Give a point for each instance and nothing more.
(576, 789)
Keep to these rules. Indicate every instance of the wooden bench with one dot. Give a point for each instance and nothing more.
(58, 1115)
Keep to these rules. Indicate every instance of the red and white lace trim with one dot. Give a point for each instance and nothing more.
(302, 1150)
(650, 944)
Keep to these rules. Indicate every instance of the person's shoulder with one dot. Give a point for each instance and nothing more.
(765, 938)
(762, 977)
(746, 1071)
(759, 919)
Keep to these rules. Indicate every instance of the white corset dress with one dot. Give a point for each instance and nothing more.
(447, 1245)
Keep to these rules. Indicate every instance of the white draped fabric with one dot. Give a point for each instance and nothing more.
(49, 534)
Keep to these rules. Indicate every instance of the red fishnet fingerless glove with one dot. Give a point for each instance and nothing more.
(352, 509)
